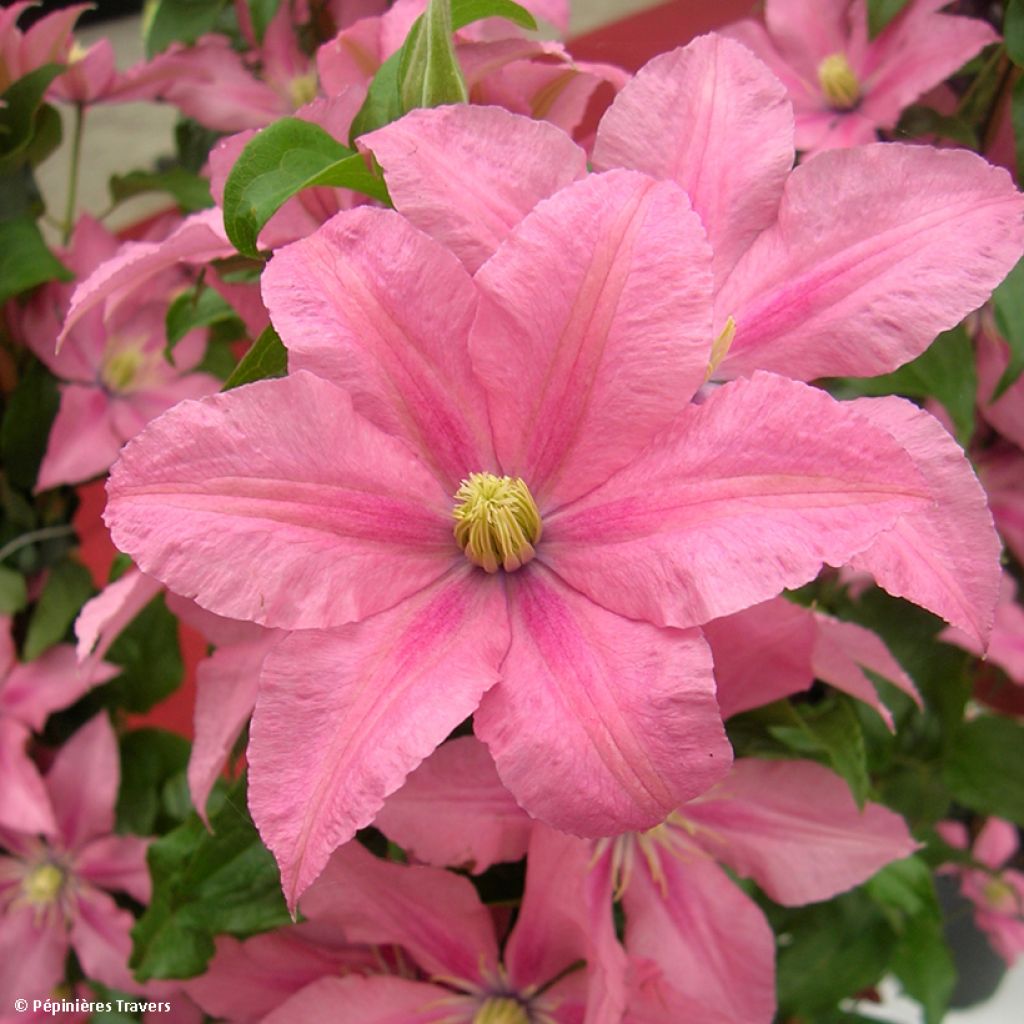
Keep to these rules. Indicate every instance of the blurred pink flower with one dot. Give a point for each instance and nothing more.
(997, 891)
(114, 373)
(29, 693)
(54, 890)
(843, 85)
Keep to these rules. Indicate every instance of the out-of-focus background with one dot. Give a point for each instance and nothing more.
(123, 137)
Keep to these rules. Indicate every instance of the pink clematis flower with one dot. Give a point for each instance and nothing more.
(439, 922)
(53, 891)
(844, 266)
(29, 693)
(115, 377)
(1006, 648)
(1002, 472)
(1006, 413)
(549, 427)
(48, 41)
(996, 891)
(845, 86)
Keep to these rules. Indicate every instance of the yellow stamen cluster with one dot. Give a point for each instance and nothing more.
(501, 1010)
(838, 82)
(302, 90)
(1001, 897)
(496, 521)
(42, 885)
(120, 369)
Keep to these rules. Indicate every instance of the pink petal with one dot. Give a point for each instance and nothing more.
(600, 294)
(371, 701)
(945, 557)
(32, 953)
(453, 811)
(1002, 472)
(708, 937)
(83, 783)
(375, 1000)
(83, 442)
(804, 91)
(116, 863)
(915, 53)
(761, 654)
(375, 306)
(876, 251)
(32, 691)
(600, 724)
(996, 843)
(226, 684)
(1006, 414)
(103, 618)
(842, 650)
(285, 476)
(806, 31)
(26, 804)
(199, 239)
(715, 120)
(435, 915)
(467, 175)
(247, 980)
(101, 937)
(747, 494)
(794, 828)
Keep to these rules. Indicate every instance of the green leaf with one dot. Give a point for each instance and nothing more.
(197, 307)
(831, 951)
(1013, 31)
(430, 74)
(905, 888)
(262, 13)
(267, 358)
(25, 259)
(945, 371)
(13, 595)
(924, 965)
(68, 587)
(832, 729)
(280, 161)
(465, 12)
(1017, 118)
(19, 105)
(47, 133)
(150, 658)
(881, 12)
(149, 759)
(180, 21)
(203, 885)
(1008, 300)
(190, 191)
(917, 121)
(985, 770)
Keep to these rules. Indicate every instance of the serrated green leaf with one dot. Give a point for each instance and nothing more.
(944, 371)
(197, 307)
(150, 658)
(180, 21)
(190, 191)
(430, 74)
(267, 358)
(280, 161)
(985, 770)
(881, 12)
(149, 759)
(1008, 300)
(25, 259)
(13, 595)
(19, 105)
(68, 587)
(203, 885)
(1013, 31)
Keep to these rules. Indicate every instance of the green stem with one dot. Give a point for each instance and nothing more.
(46, 533)
(76, 154)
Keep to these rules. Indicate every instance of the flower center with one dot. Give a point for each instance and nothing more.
(838, 82)
(42, 885)
(496, 522)
(1000, 896)
(501, 1010)
(120, 369)
(302, 90)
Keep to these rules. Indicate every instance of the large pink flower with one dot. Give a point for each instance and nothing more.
(844, 86)
(544, 401)
(52, 891)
